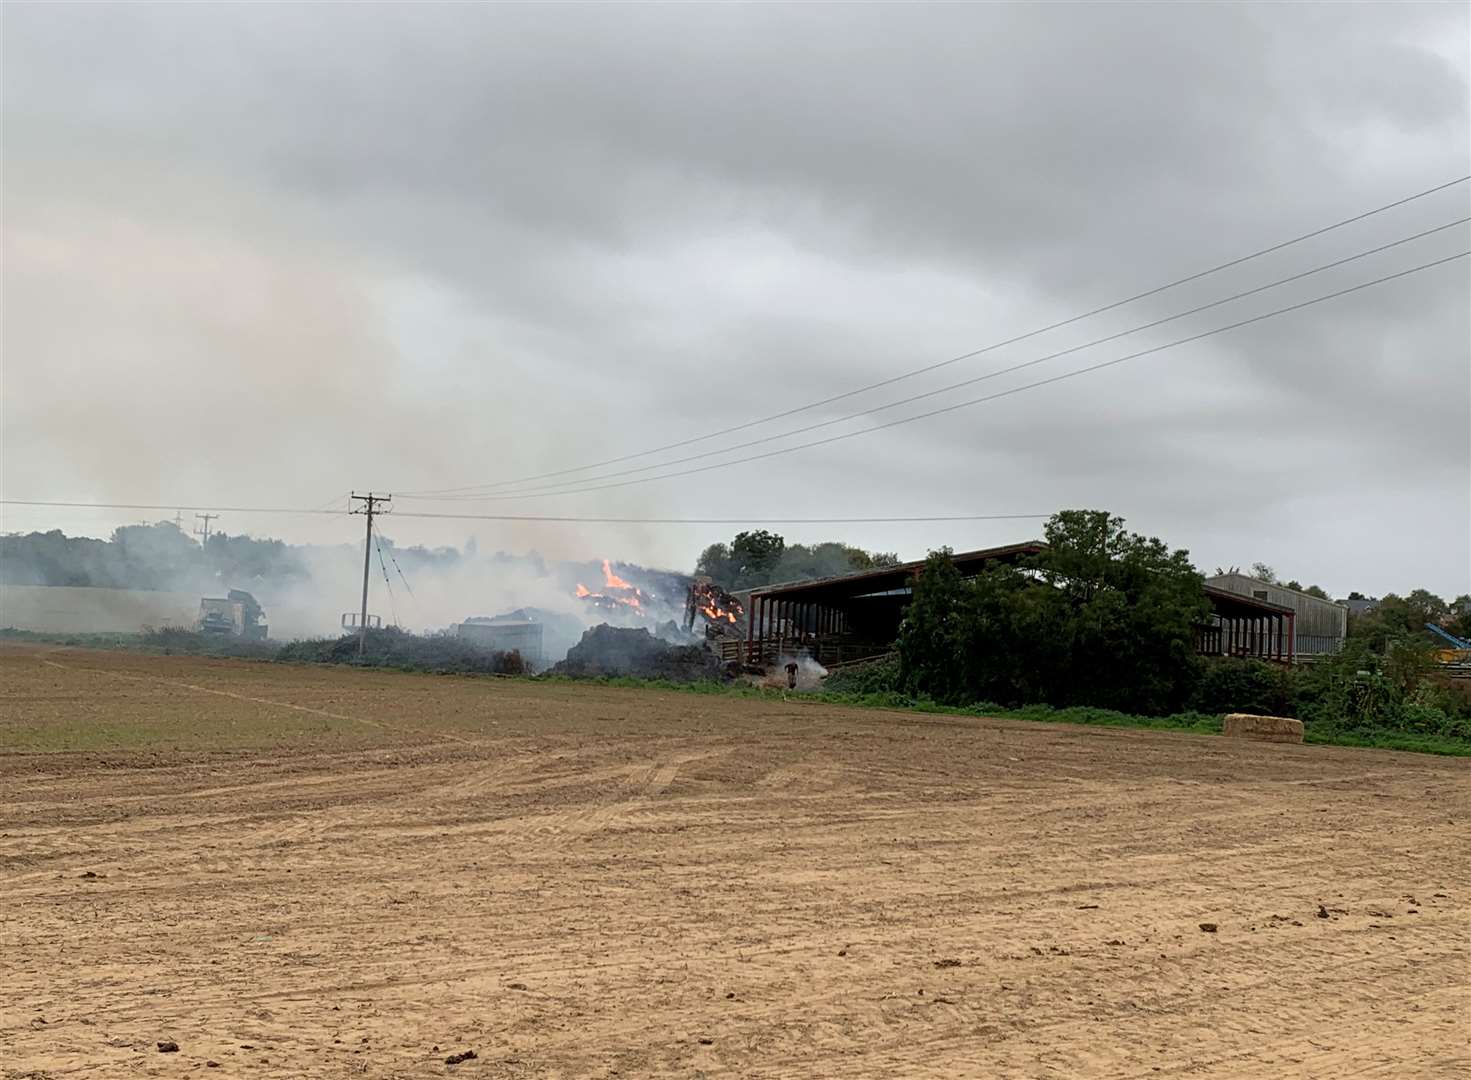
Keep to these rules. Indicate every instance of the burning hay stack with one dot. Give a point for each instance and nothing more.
(720, 610)
(616, 596)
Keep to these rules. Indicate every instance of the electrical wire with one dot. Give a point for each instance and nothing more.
(801, 446)
(1028, 386)
(751, 519)
(572, 484)
(552, 518)
(392, 607)
(331, 502)
(394, 559)
(963, 356)
(1002, 394)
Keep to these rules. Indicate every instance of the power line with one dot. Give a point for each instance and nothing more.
(752, 519)
(401, 577)
(576, 484)
(392, 607)
(963, 356)
(333, 501)
(992, 397)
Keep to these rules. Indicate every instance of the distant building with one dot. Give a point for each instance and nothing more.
(1360, 605)
(505, 635)
(1319, 626)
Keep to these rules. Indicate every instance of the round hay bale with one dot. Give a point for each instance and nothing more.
(1262, 728)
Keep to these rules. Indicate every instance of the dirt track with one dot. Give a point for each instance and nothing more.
(306, 872)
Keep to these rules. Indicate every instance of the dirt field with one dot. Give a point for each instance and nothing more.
(298, 872)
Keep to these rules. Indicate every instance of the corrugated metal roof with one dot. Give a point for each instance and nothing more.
(1224, 599)
(889, 578)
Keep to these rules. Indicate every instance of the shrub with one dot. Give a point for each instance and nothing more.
(395, 648)
(1250, 686)
(171, 639)
(879, 676)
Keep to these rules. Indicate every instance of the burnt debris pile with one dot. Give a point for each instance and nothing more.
(613, 650)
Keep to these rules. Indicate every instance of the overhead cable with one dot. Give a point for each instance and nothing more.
(555, 489)
(749, 519)
(706, 436)
(992, 397)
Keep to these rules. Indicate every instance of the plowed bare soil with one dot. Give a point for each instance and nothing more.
(300, 872)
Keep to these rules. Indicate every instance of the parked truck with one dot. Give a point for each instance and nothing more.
(236, 614)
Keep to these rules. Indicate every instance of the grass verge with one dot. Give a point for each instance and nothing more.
(1195, 723)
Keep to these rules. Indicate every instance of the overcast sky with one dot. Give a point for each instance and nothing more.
(258, 255)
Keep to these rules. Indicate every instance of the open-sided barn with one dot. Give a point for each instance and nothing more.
(837, 620)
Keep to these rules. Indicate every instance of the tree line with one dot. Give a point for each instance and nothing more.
(154, 557)
(759, 557)
(1108, 618)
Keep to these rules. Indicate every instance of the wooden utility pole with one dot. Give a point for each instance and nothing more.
(372, 504)
(204, 532)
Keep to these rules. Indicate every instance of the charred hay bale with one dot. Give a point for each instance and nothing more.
(1262, 728)
(615, 650)
(611, 650)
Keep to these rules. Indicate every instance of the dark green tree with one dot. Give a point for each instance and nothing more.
(760, 558)
(754, 555)
(1101, 617)
(1460, 622)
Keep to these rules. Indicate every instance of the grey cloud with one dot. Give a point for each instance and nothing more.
(505, 239)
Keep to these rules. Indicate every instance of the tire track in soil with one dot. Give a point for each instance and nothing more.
(420, 892)
(434, 736)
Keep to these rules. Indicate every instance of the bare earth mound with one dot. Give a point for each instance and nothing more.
(332, 873)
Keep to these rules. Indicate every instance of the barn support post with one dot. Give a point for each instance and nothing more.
(761, 630)
(751, 627)
(768, 615)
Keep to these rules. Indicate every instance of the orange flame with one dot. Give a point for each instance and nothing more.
(631, 596)
(612, 580)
